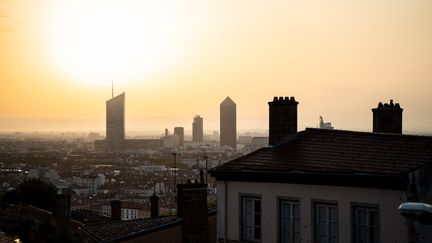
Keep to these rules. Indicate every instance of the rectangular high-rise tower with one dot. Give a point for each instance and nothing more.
(115, 119)
(197, 130)
(228, 123)
(179, 131)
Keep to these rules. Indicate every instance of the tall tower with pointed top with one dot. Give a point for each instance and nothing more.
(228, 123)
(115, 119)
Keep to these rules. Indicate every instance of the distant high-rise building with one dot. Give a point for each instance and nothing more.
(325, 125)
(115, 119)
(228, 126)
(197, 130)
(179, 131)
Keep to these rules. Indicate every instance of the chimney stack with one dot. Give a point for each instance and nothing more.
(192, 207)
(154, 206)
(116, 209)
(387, 118)
(63, 206)
(282, 119)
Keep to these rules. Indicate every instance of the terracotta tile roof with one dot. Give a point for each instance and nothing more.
(117, 230)
(337, 152)
(84, 217)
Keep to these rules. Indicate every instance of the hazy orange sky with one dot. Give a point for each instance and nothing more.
(176, 59)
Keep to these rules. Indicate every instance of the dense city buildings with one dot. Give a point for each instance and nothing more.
(197, 130)
(337, 176)
(228, 123)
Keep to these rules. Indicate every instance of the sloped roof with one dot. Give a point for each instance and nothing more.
(319, 151)
(227, 101)
(112, 231)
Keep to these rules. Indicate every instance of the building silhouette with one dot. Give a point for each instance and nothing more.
(228, 126)
(115, 130)
(197, 129)
(301, 184)
(325, 125)
(115, 119)
(179, 132)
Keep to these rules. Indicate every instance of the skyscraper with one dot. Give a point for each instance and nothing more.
(115, 119)
(179, 131)
(228, 126)
(197, 129)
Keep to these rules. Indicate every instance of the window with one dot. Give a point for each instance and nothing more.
(326, 223)
(366, 227)
(251, 218)
(289, 221)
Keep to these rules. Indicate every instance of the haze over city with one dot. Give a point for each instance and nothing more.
(176, 59)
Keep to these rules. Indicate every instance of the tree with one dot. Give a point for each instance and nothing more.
(34, 192)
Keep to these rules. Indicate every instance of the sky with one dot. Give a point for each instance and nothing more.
(177, 59)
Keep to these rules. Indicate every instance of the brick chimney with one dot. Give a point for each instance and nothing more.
(192, 207)
(282, 119)
(387, 118)
(116, 209)
(154, 206)
(63, 206)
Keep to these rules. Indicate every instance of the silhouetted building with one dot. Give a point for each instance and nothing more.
(228, 120)
(197, 130)
(115, 120)
(387, 118)
(282, 119)
(179, 131)
(115, 130)
(325, 125)
(322, 185)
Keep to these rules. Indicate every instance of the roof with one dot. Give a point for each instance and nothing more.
(119, 230)
(320, 152)
(227, 101)
(84, 216)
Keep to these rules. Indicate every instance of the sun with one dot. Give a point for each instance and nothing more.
(98, 41)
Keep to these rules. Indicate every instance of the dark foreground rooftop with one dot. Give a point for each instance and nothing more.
(110, 231)
(319, 156)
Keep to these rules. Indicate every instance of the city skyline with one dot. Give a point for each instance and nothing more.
(337, 59)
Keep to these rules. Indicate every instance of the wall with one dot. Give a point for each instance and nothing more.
(393, 225)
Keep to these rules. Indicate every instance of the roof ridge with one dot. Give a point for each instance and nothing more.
(364, 132)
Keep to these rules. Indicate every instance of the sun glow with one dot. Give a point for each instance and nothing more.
(97, 41)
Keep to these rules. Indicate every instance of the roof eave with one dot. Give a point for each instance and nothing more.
(392, 182)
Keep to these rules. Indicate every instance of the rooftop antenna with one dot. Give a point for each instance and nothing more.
(112, 88)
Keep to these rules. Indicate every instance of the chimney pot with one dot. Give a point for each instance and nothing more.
(387, 118)
(282, 120)
(116, 209)
(63, 206)
(192, 207)
(154, 206)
